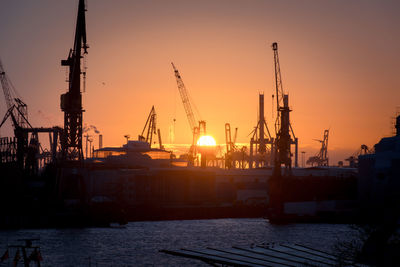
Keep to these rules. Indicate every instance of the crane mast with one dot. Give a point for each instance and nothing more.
(71, 102)
(283, 128)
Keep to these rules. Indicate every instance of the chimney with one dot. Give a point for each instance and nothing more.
(100, 141)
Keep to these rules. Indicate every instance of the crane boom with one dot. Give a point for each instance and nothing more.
(185, 99)
(6, 87)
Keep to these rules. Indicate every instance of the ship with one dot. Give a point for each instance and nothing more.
(152, 184)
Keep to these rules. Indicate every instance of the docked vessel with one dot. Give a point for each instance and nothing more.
(149, 183)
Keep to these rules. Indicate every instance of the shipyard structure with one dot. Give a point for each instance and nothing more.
(61, 186)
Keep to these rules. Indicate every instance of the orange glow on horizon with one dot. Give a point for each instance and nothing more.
(206, 140)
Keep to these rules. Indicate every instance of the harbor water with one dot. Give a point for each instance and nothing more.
(138, 243)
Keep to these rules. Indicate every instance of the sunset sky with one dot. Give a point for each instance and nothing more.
(340, 63)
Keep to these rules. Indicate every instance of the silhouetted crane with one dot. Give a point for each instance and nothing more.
(284, 132)
(321, 159)
(150, 126)
(71, 102)
(353, 159)
(150, 129)
(230, 144)
(16, 108)
(260, 138)
(196, 130)
(185, 99)
(26, 152)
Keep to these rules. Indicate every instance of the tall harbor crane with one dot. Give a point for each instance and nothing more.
(197, 129)
(285, 136)
(71, 101)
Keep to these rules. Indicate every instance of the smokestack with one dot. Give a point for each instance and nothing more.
(100, 141)
(262, 146)
(398, 126)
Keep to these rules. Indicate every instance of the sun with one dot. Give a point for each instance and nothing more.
(206, 140)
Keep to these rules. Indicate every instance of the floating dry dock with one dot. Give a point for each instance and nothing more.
(264, 255)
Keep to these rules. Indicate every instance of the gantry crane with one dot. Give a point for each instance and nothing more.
(285, 136)
(260, 138)
(71, 102)
(321, 159)
(197, 129)
(353, 159)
